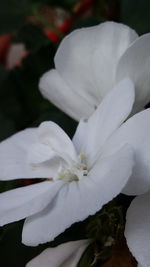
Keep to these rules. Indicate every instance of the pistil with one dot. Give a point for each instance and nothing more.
(75, 172)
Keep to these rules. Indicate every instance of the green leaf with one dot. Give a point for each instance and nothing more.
(8, 127)
(65, 3)
(3, 74)
(87, 257)
(10, 184)
(136, 14)
(20, 98)
(86, 22)
(32, 36)
(13, 14)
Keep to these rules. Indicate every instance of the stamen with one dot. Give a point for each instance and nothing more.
(68, 177)
(82, 156)
(75, 172)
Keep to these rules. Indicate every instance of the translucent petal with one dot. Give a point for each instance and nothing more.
(24, 201)
(135, 63)
(64, 255)
(135, 131)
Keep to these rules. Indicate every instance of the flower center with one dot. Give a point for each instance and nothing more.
(75, 172)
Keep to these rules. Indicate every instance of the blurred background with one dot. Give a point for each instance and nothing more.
(30, 32)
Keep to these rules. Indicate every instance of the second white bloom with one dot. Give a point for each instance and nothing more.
(90, 61)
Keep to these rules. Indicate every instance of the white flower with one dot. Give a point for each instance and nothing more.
(82, 174)
(64, 255)
(90, 61)
(137, 229)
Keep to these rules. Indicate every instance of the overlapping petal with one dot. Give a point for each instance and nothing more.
(80, 136)
(137, 230)
(40, 153)
(54, 88)
(110, 114)
(50, 134)
(64, 255)
(80, 199)
(87, 57)
(22, 202)
(35, 153)
(135, 63)
(135, 131)
(86, 62)
(14, 158)
(13, 153)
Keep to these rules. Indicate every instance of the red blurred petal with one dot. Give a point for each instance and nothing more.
(65, 27)
(52, 35)
(81, 7)
(5, 41)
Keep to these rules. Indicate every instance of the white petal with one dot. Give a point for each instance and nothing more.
(14, 162)
(64, 255)
(78, 200)
(80, 136)
(44, 161)
(22, 202)
(13, 153)
(40, 153)
(137, 229)
(135, 63)
(136, 132)
(110, 114)
(54, 88)
(86, 60)
(53, 136)
(111, 43)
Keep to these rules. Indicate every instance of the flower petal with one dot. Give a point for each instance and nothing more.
(52, 135)
(54, 88)
(86, 60)
(40, 153)
(80, 136)
(136, 132)
(78, 200)
(64, 255)
(110, 114)
(14, 158)
(22, 202)
(13, 153)
(137, 230)
(135, 63)
(93, 51)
